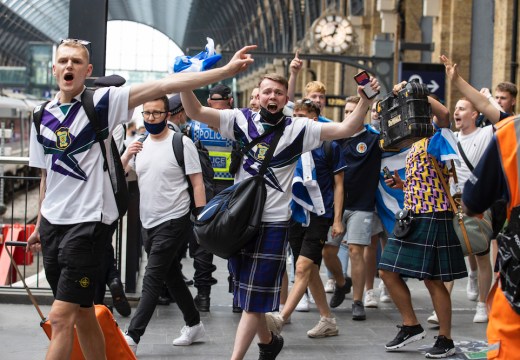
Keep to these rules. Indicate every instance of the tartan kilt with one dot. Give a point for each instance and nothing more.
(257, 270)
(431, 251)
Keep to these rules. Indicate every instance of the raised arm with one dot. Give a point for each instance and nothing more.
(178, 82)
(294, 69)
(350, 125)
(478, 99)
(196, 111)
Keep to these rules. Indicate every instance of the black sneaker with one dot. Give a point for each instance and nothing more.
(119, 298)
(358, 311)
(442, 348)
(406, 335)
(271, 350)
(202, 302)
(339, 293)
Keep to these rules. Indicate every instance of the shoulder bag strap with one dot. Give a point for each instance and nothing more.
(464, 157)
(178, 149)
(243, 150)
(270, 152)
(456, 209)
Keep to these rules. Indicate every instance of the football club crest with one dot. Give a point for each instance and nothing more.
(261, 151)
(361, 148)
(62, 138)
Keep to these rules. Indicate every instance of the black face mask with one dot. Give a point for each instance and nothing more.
(270, 117)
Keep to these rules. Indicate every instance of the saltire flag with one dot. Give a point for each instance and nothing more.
(200, 62)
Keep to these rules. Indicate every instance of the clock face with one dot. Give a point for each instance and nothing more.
(333, 34)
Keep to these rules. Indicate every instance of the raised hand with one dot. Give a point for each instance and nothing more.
(241, 60)
(296, 64)
(451, 68)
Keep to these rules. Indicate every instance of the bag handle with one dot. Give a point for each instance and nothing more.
(270, 152)
(456, 209)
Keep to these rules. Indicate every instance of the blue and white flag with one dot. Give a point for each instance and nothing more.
(200, 62)
(306, 192)
(389, 200)
(443, 145)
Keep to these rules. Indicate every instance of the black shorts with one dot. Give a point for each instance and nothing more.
(71, 257)
(309, 241)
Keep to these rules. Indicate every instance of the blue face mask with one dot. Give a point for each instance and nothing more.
(155, 129)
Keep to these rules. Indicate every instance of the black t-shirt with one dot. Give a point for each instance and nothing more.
(363, 158)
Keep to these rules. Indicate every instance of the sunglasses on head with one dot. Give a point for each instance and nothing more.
(310, 105)
(85, 43)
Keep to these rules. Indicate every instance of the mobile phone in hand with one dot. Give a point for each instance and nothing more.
(388, 175)
(363, 79)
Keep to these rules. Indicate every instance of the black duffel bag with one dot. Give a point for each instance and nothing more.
(234, 217)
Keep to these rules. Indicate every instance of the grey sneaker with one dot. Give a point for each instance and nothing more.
(274, 322)
(358, 311)
(325, 327)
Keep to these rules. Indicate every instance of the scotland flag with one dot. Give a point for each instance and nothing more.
(443, 145)
(388, 200)
(200, 62)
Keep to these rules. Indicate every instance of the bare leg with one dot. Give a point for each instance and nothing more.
(318, 292)
(90, 335)
(285, 289)
(442, 305)
(485, 275)
(400, 294)
(62, 318)
(301, 280)
(331, 260)
(370, 262)
(357, 269)
(250, 324)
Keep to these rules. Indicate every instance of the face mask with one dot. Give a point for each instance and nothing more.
(155, 129)
(269, 116)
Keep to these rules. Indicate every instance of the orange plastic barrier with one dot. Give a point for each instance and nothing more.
(17, 232)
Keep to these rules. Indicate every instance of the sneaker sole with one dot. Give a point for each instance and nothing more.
(407, 341)
(371, 305)
(327, 334)
(433, 322)
(441, 356)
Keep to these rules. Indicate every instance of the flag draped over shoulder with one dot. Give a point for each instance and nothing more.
(306, 193)
(388, 200)
(443, 145)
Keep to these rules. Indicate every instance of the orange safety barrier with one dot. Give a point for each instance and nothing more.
(16, 232)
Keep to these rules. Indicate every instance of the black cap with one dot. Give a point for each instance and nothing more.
(175, 104)
(221, 90)
(110, 80)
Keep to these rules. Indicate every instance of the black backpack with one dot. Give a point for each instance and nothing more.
(205, 164)
(113, 164)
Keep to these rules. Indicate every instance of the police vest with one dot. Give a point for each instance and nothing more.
(218, 147)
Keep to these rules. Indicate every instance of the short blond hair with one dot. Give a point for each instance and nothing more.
(315, 86)
(276, 78)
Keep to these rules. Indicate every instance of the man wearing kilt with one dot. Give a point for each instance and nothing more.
(430, 251)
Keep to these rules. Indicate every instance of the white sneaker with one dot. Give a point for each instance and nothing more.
(370, 299)
(311, 299)
(472, 287)
(325, 327)
(131, 343)
(190, 335)
(330, 285)
(383, 294)
(274, 322)
(303, 305)
(481, 315)
(433, 319)
(288, 320)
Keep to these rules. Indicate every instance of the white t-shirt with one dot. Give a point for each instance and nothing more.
(78, 190)
(474, 146)
(162, 184)
(298, 137)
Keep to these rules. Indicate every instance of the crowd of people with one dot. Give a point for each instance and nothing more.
(338, 225)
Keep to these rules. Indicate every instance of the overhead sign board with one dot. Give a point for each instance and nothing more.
(433, 75)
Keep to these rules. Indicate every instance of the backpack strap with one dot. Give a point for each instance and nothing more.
(87, 101)
(178, 149)
(37, 116)
(464, 157)
(327, 149)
